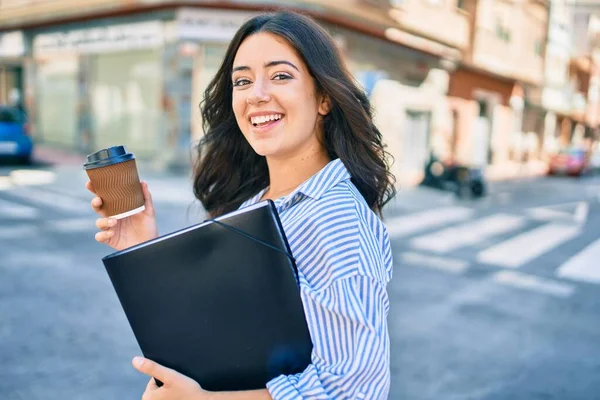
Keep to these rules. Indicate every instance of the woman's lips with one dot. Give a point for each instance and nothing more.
(264, 128)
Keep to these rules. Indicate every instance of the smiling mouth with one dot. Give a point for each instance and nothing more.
(265, 120)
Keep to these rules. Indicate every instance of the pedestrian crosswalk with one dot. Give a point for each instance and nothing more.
(451, 237)
(407, 225)
(454, 238)
(584, 265)
(468, 233)
(529, 245)
(63, 203)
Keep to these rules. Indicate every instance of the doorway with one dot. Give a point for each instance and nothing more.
(416, 141)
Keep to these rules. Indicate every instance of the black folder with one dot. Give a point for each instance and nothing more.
(218, 301)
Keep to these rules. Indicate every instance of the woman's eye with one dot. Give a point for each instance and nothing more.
(281, 76)
(241, 82)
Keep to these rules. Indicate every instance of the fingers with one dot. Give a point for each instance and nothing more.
(155, 370)
(90, 187)
(151, 386)
(147, 197)
(105, 223)
(104, 236)
(96, 204)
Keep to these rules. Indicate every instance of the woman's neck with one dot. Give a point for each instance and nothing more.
(285, 175)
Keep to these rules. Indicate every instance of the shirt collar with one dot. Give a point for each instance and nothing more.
(316, 186)
(328, 177)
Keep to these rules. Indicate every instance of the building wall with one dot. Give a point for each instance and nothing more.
(17, 12)
(509, 37)
(440, 20)
(464, 83)
(414, 121)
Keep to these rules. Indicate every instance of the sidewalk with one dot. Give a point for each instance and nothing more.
(46, 155)
(171, 187)
(513, 170)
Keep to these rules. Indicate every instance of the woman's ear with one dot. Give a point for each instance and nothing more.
(325, 105)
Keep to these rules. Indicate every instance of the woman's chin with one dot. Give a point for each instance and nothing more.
(265, 149)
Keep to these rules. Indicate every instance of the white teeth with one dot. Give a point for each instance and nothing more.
(264, 118)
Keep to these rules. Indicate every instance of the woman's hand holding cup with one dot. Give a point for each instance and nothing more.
(126, 232)
(123, 202)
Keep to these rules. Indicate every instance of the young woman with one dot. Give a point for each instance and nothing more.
(285, 121)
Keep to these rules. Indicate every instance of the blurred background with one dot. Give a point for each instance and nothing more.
(491, 109)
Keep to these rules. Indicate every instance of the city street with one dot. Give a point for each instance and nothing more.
(491, 299)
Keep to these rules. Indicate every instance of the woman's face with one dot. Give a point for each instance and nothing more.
(274, 98)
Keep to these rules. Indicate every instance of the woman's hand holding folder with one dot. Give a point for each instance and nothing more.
(179, 387)
(123, 233)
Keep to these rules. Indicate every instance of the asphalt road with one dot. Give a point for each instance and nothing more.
(491, 299)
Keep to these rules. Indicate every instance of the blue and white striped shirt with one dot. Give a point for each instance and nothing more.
(344, 261)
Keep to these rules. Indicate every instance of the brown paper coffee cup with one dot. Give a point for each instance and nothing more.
(113, 173)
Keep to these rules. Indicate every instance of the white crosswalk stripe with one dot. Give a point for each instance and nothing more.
(16, 210)
(527, 246)
(411, 224)
(584, 266)
(533, 283)
(57, 201)
(20, 231)
(468, 234)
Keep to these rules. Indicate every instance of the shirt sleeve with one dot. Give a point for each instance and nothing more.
(350, 358)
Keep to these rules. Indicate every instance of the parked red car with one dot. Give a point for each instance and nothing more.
(571, 161)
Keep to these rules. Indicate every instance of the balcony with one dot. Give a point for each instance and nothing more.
(442, 22)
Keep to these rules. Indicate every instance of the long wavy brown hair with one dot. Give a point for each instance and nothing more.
(228, 171)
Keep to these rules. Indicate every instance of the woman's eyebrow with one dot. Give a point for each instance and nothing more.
(279, 62)
(267, 65)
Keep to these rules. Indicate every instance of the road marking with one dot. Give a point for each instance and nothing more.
(16, 210)
(533, 283)
(18, 232)
(72, 225)
(469, 233)
(581, 212)
(527, 246)
(447, 264)
(5, 183)
(568, 212)
(584, 266)
(406, 225)
(32, 177)
(51, 199)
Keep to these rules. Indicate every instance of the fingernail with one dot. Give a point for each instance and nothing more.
(138, 361)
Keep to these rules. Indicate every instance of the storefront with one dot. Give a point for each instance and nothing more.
(128, 81)
(12, 51)
(488, 111)
(99, 86)
(407, 89)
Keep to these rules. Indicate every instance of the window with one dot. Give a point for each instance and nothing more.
(502, 32)
(539, 47)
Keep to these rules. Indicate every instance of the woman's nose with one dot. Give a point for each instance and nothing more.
(259, 93)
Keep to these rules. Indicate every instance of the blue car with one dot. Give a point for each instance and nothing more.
(15, 142)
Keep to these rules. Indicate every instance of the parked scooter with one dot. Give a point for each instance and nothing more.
(462, 180)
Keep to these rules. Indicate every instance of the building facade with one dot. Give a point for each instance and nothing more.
(489, 83)
(495, 94)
